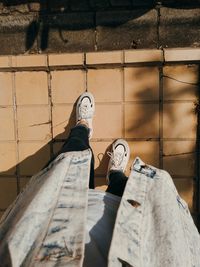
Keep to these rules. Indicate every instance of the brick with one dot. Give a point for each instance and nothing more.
(35, 7)
(105, 84)
(121, 2)
(23, 182)
(31, 88)
(8, 191)
(29, 61)
(66, 59)
(108, 121)
(6, 95)
(58, 6)
(179, 82)
(33, 156)
(67, 86)
(179, 120)
(21, 8)
(8, 158)
(141, 84)
(142, 121)
(185, 24)
(185, 188)
(64, 117)
(71, 32)
(122, 29)
(143, 56)
(99, 4)
(21, 37)
(182, 54)
(148, 151)
(179, 158)
(5, 61)
(34, 123)
(104, 57)
(7, 120)
(77, 5)
(100, 155)
(145, 3)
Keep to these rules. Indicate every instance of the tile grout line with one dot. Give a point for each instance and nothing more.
(161, 117)
(85, 74)
(123, 99)
(50, 104)
(16, 131)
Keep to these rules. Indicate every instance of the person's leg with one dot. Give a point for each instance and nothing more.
(117, 183)
(118, 161)
(78, 139)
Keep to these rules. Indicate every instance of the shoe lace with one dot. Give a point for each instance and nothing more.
(85, 111)
(116, 159)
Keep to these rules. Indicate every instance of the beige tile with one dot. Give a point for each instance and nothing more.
(104, 57)
(66, 59)
(34, 123)
(148, 151)
(141, 83)
(64, 117)
(6, 88)
(7, 124)
(23, 182)
(5, 62)
(31, 87)
(8, 158)
(100, 183)
(8, 191)
(29, 61)
(67, 85)
(108, 121)
(33, 156)
(147, 55)
(182, 54)
(141, 121)
(179, 82)
(185, 188)
(179, 120)
(179, 157)
(105, 84)
(100, 155)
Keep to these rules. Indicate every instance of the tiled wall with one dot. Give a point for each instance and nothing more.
(146, 97)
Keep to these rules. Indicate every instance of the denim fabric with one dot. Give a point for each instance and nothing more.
(153, 227)
(46, 225)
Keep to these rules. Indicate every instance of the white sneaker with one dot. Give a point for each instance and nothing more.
(85, 110)
(119, 156)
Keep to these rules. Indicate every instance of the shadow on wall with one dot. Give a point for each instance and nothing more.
(91, 25)
(74, 16)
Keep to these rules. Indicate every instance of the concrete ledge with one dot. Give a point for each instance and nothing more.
(5, 62)
(112, 58)
(182, 54)
(29, 61)
(144, 55)
(104, 57)
(66, 59)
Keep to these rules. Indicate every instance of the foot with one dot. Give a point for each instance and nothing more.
(85, 111)
(119, 156)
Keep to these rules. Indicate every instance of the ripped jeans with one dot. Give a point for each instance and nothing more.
(45, 226)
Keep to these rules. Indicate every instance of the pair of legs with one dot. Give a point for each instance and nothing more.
(78, 140)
